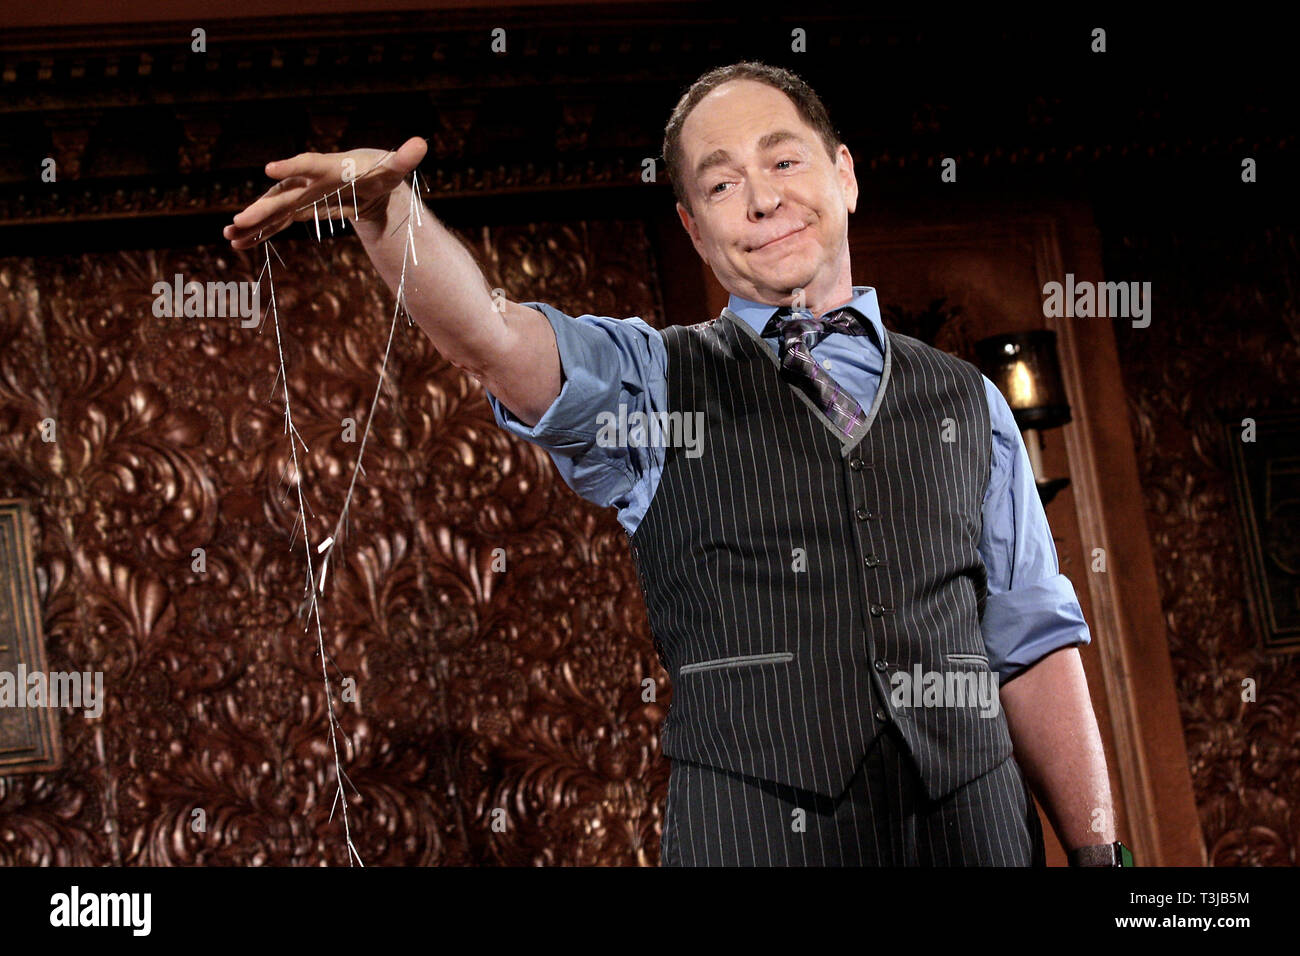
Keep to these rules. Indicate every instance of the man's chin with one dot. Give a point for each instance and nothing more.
(787, 267)
(784, 282)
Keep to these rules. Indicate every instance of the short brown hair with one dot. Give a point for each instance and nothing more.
(808, 103)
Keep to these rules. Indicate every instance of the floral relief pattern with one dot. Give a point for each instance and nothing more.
(498, 717)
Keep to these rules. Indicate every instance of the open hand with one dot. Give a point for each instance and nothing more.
(311, 177)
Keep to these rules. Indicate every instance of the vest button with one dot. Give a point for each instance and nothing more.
(880, 714)
(882, 665)
(872, 561)
(855, 464)
(865, 514)
(876, 610)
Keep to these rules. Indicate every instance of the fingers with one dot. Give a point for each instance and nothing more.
(306, 165)
(296, 175)
(248, 238)
(272, 204)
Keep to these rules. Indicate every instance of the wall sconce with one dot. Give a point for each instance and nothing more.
(1024, 366)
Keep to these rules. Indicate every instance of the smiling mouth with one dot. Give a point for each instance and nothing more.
(773, 242)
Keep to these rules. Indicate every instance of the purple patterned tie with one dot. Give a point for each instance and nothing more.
(798, 337)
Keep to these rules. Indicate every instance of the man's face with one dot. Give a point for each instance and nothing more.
(770, 208)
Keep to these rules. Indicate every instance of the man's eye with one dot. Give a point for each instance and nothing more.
(785, 161)
(717, 187)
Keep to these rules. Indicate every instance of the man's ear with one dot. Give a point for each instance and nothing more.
(692, 230)
(849, 180)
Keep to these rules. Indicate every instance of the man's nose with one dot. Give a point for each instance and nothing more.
(764, 198)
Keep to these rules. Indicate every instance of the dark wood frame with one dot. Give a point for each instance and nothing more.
(37, 749)
(1273, 639)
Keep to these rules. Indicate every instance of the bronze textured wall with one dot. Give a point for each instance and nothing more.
(478, 690)
(1229, 340)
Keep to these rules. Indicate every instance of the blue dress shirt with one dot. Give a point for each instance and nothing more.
(1031, 609)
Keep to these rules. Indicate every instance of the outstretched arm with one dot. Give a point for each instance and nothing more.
(508, 347)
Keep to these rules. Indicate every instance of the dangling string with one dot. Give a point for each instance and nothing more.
(313, 607)
(316, 586)
(399, 307)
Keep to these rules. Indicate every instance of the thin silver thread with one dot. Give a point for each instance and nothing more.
(314, 589)
(340, 798)
(398, 308)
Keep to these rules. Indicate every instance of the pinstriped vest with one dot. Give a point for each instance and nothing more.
(790, 574)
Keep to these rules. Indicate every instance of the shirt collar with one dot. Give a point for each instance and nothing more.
(757, 314)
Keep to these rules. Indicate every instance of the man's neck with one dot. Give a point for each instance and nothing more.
(839, 297)
(816, 301)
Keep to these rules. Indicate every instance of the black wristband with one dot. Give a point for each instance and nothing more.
(1103, 854)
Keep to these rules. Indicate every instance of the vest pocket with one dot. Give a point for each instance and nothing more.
(743, 661)
(969, 659)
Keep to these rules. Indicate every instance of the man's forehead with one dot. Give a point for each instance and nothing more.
(710, 116)
(747, 89)
(720, 122)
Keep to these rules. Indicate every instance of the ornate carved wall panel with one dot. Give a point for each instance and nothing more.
(479, 690)
(1224, 336)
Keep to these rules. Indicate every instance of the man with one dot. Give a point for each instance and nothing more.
(842, 564)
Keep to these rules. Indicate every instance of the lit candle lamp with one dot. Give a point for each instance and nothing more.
(1024, 367)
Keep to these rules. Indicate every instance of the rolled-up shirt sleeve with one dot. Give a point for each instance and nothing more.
(605, 362)
(1032, 609)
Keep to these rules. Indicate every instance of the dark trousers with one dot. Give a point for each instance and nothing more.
(716, 818)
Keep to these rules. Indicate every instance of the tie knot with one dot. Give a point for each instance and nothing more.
(787, 323)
